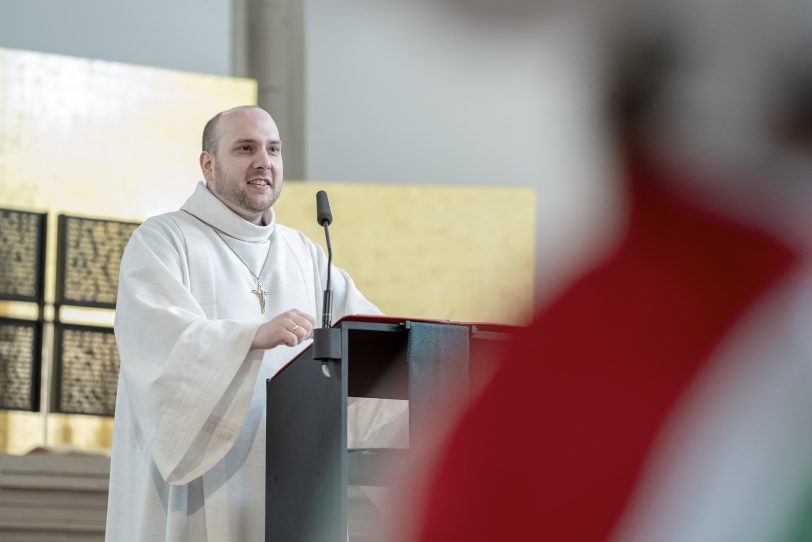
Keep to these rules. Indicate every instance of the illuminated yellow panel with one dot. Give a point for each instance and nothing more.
(455, 253)
(102, 138)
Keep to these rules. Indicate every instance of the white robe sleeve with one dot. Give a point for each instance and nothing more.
(187, 379)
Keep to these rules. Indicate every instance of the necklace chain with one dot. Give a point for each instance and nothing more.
(260, 293)
(264, 264)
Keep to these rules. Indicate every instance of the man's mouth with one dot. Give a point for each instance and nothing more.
(260, 182)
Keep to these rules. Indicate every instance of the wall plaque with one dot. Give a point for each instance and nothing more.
(22, 255)
(88, 258)
(86, 369)
(20, 356)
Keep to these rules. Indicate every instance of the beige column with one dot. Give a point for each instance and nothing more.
(269, 47)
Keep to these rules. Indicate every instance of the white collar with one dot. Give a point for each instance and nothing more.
(209, 209)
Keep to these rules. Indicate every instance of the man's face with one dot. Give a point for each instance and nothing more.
(246, 172)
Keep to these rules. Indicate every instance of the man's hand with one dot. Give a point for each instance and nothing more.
(289, 328)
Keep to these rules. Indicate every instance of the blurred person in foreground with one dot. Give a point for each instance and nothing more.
(666, 393)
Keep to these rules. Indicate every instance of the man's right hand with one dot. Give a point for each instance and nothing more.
(289, 328)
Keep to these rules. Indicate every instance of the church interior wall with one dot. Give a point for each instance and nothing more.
(388, 93)
(187, 35)
(110, 140)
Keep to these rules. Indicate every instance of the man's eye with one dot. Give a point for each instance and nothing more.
(274, 150)
(244, 148)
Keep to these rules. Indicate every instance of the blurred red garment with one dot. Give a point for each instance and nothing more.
(555, 445)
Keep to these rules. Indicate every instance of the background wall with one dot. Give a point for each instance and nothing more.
(363, 93)
(409, 92)
(416, 92)
(189, 35)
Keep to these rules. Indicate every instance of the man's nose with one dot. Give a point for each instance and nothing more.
(263, 160)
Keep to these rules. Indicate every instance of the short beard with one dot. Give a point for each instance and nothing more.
(229, 191)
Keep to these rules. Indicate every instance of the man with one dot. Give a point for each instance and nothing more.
(213, 300)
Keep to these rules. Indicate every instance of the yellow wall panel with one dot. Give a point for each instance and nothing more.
(455, 253)
(102, 138)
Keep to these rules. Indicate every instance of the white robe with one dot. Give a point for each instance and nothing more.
(189, 433)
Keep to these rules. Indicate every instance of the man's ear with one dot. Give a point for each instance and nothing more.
(207, 165)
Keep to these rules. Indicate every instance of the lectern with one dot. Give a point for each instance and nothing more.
(308, 465)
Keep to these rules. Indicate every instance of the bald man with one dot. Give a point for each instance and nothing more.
(213, 299)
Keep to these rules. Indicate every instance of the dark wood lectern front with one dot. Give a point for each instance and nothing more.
(308, 466)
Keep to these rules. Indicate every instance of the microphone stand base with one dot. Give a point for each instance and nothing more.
(327, 344)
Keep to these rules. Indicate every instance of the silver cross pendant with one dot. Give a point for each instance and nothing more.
(261, 296)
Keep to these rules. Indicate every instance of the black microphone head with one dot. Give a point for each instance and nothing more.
(323, 213)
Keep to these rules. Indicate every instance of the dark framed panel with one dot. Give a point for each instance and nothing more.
(20, 362)
(88, 258)
(86, 365)
(22, 255)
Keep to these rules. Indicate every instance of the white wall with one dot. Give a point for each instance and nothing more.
(403, 92)
(189, 35)
(396, 96)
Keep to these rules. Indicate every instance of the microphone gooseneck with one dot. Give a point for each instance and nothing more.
(327, 312)
(326, 339)
(324, 218)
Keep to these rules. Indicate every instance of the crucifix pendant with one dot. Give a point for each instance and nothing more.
(261, 295)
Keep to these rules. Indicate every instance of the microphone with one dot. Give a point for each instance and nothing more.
(326, 340)
(324, 217)
(323, 213)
